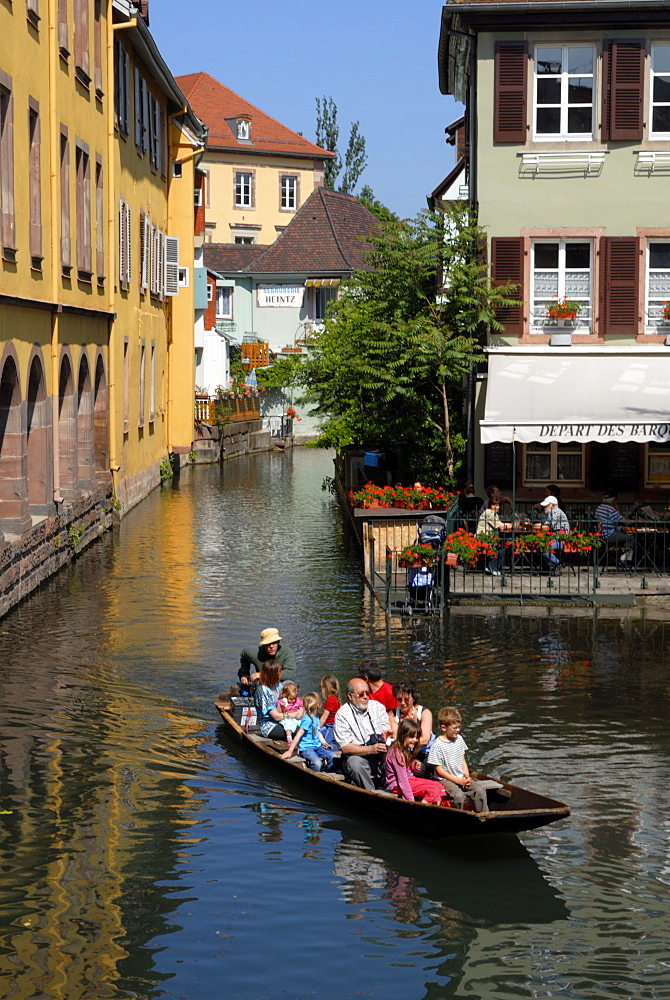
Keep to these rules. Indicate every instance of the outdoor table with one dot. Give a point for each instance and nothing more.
(647, 537)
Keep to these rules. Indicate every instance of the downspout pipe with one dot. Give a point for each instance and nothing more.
(54, 176)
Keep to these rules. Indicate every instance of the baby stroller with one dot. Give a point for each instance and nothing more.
(423, 581)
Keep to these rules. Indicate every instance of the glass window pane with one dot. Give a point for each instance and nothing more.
(659, 255)
(548, 91)
(538, 446)
(579, 121)
(580, 90)
(662, 88)
(661, 58)
(569, 446)
(580, 60)
(569, 467)
(577, 255)
(538, 467)
(546, 255)
(578, 284)
(548, 120)
(661, 120)
(545, 284)
(548, 60)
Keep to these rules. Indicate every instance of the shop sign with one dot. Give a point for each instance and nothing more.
(279, 296)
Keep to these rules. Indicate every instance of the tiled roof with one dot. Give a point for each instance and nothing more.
(218, 106)
(326, 236)
(225, 257)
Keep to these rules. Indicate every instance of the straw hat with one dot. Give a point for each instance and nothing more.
(269, 635)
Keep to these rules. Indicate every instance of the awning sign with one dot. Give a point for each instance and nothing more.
(279, 296)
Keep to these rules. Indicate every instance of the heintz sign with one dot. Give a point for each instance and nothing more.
(279, 296)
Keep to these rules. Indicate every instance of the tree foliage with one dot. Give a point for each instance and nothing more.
(327, 136)
(367, 197)
(388, 367)
(282, 372)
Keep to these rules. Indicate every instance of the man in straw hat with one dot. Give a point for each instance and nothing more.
(269, 648)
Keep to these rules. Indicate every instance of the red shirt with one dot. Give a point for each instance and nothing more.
(331, 705)
(384, 695)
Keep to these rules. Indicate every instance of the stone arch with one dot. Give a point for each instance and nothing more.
(85, 451)
(67, 430)
(14, 516)
(101, 421)
(38, 440)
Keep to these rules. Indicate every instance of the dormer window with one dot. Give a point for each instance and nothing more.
(243, 129)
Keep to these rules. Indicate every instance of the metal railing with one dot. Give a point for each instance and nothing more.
(634, 557)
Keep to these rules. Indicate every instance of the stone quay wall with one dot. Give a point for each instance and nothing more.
(29, 559)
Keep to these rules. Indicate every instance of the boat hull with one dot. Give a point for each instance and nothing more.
(524, 810)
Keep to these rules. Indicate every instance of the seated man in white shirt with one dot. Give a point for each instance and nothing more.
(361, 728)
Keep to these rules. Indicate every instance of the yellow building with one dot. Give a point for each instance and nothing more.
(97, 158)
(258, 172)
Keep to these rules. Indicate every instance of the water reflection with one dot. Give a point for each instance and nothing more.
(143, 857)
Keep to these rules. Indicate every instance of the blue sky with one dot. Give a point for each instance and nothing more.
(377, 60)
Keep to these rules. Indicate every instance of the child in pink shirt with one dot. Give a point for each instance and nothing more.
(399, 776)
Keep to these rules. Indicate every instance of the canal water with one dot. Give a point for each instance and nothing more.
(143, 855)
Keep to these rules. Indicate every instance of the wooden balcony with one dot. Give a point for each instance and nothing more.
(257, 354)
(233, 410)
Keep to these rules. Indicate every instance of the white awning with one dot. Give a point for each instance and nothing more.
(551, 396)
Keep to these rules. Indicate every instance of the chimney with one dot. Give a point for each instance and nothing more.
(143, 10)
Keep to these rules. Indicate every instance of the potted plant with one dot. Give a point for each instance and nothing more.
(464, 545)
(666, 311)
(580, 541)
(535, 541)
(416, 555)
(563, 309)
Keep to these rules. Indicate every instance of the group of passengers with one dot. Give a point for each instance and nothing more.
(381, 736)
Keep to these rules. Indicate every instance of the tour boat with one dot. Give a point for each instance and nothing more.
(522, 810)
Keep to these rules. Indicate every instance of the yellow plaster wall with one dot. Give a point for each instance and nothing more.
(267, 170)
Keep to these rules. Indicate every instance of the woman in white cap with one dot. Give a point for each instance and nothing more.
(269, 648)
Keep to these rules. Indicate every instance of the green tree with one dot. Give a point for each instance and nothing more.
(388, 367)
(327, 136)
(367, 197)
(283, 372)
(355, 160)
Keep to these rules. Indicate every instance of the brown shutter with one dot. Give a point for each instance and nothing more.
(507, 264)
(623, 82)
(510, 94)
(619, 285)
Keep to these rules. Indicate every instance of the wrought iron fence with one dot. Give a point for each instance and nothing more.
(629, 556)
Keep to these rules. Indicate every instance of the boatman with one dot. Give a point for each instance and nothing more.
(361, 728)
(269, 648)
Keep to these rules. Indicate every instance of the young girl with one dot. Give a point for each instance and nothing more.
(291, 707)
(308, 740)
(399, 759)
(330, 689)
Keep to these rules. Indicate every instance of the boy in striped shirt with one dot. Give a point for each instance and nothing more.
(447, 754)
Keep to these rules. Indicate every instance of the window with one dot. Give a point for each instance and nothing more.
(322, 296)
(100, 227)
(62, 28)
(660, 91)
(561, 269)
(171, 245)
(97, 47)
(183, 277)
(245, 240)
(35, 184)
(83, 209)
(224, 302)
(124, 244)
(243, 190)
(210, 291)
(152, 382)
(143, 352)
(65, 242)
(7, 165)
(658, 285)
(155, 144)
(547, 462)
(564, 91)
(141, 113)
(145, 246)
(658, 465)
(121, 89)
(81, 42)
(126, 384)
(289, 193)
(243, 129)
(33, 11)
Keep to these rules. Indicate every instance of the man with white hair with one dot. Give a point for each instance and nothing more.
(361, 728)
(269, 648)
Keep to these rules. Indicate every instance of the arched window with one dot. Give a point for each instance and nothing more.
(39, 444)
(67, 432)
(101, 423)
(14, 516)
(85, 452)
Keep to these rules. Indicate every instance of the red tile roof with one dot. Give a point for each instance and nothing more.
(218, 107)
(328, 235)
(224, 257)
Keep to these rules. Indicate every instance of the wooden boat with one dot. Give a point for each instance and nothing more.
(523, 810)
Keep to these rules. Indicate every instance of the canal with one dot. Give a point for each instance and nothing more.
(143, 856)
